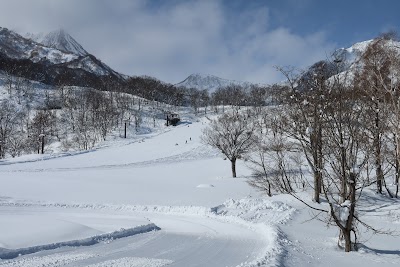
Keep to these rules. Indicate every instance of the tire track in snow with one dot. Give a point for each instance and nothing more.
(133, 262)
(197, 153)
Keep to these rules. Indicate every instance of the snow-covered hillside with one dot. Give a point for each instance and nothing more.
(54, 58)
(209, 82)
(58, 39)
(164, 199)
(353, 52)
(349, 56)
(15, 46)
(63, 41)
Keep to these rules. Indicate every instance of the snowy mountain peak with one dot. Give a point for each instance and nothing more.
(208, 82)
(350, 54)
(59, 39)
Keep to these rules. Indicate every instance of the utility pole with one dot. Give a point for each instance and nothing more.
(41, 136)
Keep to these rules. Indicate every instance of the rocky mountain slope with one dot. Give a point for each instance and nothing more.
(60, 60)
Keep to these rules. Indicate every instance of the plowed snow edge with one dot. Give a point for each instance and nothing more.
(229, 212)
(13, 253)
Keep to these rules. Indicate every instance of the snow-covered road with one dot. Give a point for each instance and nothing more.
(184, 240)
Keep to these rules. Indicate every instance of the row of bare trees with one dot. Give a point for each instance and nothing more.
(20, 129)
(342, 121)
(230, 95)
(345, 125)
(77, 118)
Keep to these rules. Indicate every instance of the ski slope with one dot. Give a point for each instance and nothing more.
(53, 207)
(165, 199)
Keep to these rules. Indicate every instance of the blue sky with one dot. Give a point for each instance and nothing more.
(233, 39)
(344, 21)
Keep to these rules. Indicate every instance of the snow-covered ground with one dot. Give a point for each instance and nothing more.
(164, 199)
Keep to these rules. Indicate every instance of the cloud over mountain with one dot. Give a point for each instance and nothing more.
(171, 40)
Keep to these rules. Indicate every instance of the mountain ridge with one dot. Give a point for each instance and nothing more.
(27, 58)
(209, 82)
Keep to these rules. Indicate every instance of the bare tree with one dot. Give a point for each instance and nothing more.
(9, 118)
(41, 126)
(257, 97)
(346, 153)
(304, 98)
(195, 99)
(271, 156)
(232, 134)
(374, 80)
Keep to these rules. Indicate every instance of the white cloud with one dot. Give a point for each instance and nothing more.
(172, 39)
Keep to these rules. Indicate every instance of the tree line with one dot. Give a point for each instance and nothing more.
(340, 122)
(234, 95)
(73, 117)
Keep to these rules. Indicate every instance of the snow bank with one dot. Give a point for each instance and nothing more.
(13, 253)
(256, 210)
(174, 210)
(54, 260)
(262, 215)
(133, 262)
(250, 209)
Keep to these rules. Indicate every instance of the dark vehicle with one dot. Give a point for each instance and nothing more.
(172, 119)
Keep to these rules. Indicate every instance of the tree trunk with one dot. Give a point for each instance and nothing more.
(269, 190)
(42, 144)
(316, 146)
(379, 174)
(349, 224)
(397, 164)
(347, 240)
(320, 159)
(233, 165)
(377, 145)
(343, 185)
(316, 187)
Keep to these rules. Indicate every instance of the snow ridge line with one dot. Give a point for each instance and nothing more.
(13, 253)
(194, 154)
(271, 255)
(173, 210)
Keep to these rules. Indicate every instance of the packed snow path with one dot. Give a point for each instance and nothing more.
(183, 241)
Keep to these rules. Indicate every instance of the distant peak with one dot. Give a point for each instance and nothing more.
(203, 75)
(59, 32)
(208, 82)
(59, 39)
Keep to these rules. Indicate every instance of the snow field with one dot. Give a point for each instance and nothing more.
(206, 217)
(162, 180)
